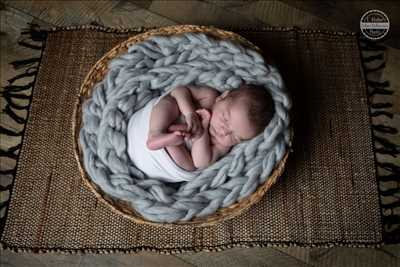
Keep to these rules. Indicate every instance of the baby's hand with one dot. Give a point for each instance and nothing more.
(177, 127)
(193, 125)
(205, 117)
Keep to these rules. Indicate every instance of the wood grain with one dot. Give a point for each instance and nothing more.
(347, 14)
(277, 13)
(201, 13)
(310, 14)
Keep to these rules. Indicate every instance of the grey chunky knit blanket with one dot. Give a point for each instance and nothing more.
(146, 71)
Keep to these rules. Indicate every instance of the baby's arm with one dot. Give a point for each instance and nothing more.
(167, 110)
(203, 153)
(162, 115)
(184, 99)
(189, 98)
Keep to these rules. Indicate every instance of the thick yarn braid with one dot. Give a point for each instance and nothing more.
(146, 71)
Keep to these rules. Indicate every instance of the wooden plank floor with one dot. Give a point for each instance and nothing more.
(334, 15)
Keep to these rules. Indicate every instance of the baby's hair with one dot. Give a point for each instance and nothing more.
(261, 105)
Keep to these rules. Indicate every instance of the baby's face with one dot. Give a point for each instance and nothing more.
(229, 124)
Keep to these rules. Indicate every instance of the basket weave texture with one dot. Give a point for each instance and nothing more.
(99, 71)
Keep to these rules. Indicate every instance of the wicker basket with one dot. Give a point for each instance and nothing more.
(98, 72)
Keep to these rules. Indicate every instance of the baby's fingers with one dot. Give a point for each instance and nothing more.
(195, 127)
(189, 126)
(180, 133)
(177, 127)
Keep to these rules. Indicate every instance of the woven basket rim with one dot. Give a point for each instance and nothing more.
(98, 72)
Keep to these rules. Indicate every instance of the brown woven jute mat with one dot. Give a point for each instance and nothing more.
(327, 195)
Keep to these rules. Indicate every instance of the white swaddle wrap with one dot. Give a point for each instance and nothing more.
(157, 164)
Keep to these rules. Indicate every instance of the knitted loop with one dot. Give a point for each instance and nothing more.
(146, 71)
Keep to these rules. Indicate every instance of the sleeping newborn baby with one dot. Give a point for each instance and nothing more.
(195, 126)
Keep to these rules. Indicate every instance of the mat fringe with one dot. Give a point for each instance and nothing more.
(30, 68)
(97, 27)
(32, 38)
(382, 145)
(172, 251)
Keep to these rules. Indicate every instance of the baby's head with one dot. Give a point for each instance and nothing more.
(240, 114)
